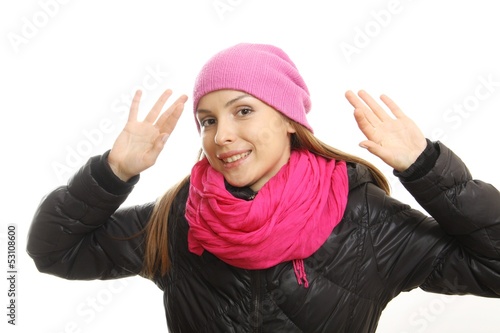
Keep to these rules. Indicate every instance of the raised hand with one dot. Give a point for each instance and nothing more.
(397, 141)
(139, 144)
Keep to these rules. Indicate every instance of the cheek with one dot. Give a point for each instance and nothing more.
(209, 152)
(206, 140)
(264, 136)
(272, 134)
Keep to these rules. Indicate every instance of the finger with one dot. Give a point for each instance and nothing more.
(396, 111)
(159, 144)
(354, 100)
(134, 107)
(376, 149)
(361, 107)
(155, 111)
(167, 121)
(363, 123)
(168, 128)
(374, 106)
(180, 100)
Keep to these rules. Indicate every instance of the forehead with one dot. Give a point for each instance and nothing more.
(222, 98)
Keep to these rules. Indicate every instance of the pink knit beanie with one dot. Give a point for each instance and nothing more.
(263, 71)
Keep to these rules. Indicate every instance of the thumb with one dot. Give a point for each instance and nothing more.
(373, 148)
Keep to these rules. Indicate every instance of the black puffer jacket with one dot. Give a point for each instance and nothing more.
(380, 248)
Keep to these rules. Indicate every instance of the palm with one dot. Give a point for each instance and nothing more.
(139, 144)
(397, 141)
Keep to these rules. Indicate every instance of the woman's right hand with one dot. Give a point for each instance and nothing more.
(140, 143)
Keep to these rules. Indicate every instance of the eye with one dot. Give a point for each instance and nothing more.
(245, 111)
(206, 122)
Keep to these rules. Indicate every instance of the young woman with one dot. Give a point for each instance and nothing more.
(273, 230)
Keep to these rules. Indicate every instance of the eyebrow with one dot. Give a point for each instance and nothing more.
(228, 103)
(234, 100)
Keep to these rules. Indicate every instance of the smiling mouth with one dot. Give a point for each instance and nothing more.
(236, 157)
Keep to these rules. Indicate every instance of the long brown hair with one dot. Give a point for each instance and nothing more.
(156, 257)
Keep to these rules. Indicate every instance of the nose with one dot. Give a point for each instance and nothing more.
(225, 133)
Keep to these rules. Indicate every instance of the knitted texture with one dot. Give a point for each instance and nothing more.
(263, 71)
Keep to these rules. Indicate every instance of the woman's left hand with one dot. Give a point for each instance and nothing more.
(397, 141)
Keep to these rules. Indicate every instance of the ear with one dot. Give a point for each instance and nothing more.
(289, 127)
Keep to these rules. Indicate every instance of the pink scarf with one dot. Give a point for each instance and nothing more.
(290, 218)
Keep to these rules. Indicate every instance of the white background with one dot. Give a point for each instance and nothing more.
(69, 67)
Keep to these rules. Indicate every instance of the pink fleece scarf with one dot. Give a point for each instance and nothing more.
(289, 219)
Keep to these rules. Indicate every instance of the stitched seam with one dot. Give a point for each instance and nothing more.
(360, 233)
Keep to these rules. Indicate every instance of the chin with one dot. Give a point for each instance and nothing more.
(237, 183)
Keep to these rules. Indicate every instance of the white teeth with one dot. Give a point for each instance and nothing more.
(235, 157)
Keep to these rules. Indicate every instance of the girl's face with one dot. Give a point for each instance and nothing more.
(243, 138)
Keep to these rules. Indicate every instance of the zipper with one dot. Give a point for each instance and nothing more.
(256, 313)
